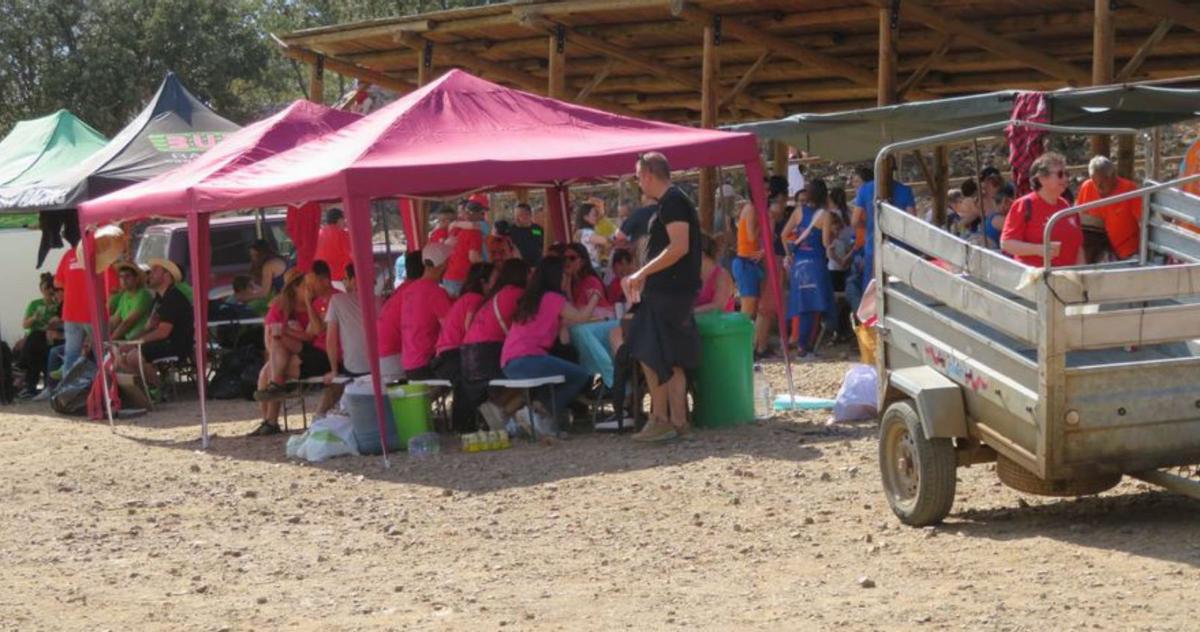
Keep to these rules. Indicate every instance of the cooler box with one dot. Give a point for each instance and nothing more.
(410, 411)
(724, 382)
(360, 403)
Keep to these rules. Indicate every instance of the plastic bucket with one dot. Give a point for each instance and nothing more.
(410, 410)
(360, 403)
(724, 381)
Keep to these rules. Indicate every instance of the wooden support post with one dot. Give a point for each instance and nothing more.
(1102, 61)
(708, 118)
(1125, 153)
(779, 159)
(1154, 156)
(889, 25)
(941, 183)
(316, 80)
(425, 63)
(558, 63)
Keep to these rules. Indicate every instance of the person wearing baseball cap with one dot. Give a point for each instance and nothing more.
(426, 303)
(131, 306)
(169, 331)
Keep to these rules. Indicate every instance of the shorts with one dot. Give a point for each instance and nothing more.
(663, 333)
(160, 349)
(748, 275)
(313, 361)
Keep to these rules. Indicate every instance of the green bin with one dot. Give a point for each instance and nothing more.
(724, 382)
(410, 411)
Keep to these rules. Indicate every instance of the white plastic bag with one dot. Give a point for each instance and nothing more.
(329, 436)
(858, 397)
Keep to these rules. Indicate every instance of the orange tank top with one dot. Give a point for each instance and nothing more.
(747, 246)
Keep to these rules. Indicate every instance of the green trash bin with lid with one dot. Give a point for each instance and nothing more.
(724, 382)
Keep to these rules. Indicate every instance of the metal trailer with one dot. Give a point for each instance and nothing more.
(1068, 378)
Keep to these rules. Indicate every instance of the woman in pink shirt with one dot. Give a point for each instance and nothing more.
(484, 340)
(583, 281)
(543, 314)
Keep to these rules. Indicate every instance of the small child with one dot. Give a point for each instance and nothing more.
(622, 266)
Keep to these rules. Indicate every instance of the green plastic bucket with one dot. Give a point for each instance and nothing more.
(410, 411)
(724, 382)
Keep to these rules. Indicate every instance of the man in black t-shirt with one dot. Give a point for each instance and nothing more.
(169, 331)
(663, 335)
(526, 236)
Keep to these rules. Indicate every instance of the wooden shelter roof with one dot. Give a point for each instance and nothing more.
(777, 57)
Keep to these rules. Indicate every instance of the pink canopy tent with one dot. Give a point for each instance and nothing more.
(460, 134)
(172, 194)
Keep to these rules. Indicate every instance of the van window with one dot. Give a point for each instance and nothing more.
(153, 245)
(231, 244)
(283, 241)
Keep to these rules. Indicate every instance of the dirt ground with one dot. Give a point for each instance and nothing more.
(779, 525)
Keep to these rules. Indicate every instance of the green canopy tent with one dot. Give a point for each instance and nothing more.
(38, 148)
(857, 135)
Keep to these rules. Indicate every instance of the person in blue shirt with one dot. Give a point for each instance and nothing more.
(864, 213)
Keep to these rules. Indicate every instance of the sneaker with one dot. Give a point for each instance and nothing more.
(27, 394)
(45, 395)
(265, 429)
(544, 424)
(656, 432)
(614, 423)
(522, 418)
(493, 415)
(685, 433)
(272, 392)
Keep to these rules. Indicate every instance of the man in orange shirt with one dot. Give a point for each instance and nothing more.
(1122, 220)
(333, 243)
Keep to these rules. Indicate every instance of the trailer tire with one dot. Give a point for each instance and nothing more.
(918, 473)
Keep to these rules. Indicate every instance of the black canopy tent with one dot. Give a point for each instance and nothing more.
(172, 129)
(857, 135)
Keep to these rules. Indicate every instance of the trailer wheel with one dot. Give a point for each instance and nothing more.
(918, 473)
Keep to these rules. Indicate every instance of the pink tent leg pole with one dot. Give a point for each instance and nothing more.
(199, 247)
(99, 322)
(410, 217)
(358, 213)
(758, 193)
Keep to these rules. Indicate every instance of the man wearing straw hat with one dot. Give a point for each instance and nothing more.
(130, 308)
(169, 331)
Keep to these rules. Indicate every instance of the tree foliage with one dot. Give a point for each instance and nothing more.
(102, 59)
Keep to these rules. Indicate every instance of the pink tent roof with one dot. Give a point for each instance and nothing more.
(462, 133)
(170, 194)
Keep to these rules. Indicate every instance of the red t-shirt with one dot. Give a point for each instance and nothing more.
(582, 292)
(616, 294)
(1068, 231)
(439, 235)
(388, 327)
(454, 325)
(1122, 221)
(485, 327)
(333, 247)
(71, 276)
(460, 260)
(425, 305)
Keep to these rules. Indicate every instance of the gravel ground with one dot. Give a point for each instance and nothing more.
(775, 525)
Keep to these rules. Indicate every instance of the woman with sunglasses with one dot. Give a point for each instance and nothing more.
(584, 282)
(1027, 218)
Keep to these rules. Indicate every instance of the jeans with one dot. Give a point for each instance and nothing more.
(74, 334)
(54, 362)
(527, 367)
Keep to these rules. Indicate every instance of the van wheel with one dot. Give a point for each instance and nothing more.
(918, 473)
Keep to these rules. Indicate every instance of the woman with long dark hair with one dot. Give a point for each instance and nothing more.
(266, 270)
(542, 317)
(596, 245)
(583, 282)
(810, 296)
(487, 328)
(447, 363)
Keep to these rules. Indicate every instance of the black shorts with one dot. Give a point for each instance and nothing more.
(420, 373)
(160, 349)
(663, 333)
(313, 361)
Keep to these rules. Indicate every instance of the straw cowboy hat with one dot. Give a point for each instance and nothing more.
(169, 266)
(137, 270)
(111, 243)
(292, 276)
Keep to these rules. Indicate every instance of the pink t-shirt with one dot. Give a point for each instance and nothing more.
(454, 326)
(536, 336)
(485, 327)
(584, 289)
(388, 326)
(425, 305)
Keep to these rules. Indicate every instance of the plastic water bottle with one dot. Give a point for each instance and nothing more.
(424, 445)
(764, 396)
